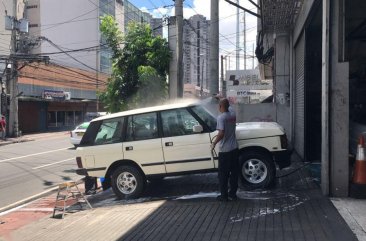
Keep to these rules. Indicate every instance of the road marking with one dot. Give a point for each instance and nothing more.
(46, 165)
(35, 154)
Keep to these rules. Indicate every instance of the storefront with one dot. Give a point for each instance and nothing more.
(52, 112)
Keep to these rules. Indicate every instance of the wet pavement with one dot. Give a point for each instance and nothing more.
(185, 208)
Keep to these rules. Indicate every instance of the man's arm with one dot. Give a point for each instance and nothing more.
(218, 138)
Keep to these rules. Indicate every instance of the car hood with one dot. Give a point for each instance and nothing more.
(249, 130)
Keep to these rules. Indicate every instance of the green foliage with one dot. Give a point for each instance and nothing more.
(152, 88)
(140, 66)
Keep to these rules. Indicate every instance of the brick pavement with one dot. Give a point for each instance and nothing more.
(184, 208)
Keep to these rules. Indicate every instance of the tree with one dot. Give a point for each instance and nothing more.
(140, 64)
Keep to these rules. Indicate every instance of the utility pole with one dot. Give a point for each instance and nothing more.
(223, 83)
(179, 19)
(203, 64)
(199, 84)
(172, 41)
(214, 48)
(237, 38)
(13, 115)
(253, 57)
(245, 43)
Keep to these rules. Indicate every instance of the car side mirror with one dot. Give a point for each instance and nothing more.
(197, 128)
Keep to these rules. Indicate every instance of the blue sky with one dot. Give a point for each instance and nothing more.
(149, 4)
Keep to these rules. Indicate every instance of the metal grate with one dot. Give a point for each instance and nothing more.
(280, 15)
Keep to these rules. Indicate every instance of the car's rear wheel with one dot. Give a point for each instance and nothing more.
(257, 169)
(127, 182)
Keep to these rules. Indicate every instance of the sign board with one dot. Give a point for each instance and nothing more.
(54, 95)
(243, 77)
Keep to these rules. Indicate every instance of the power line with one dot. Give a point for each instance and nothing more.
(54, 80)
(59, 48)
(68, 21)
(77, 75)
(92, 48)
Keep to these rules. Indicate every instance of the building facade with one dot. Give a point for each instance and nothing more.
(318, 63)
(64, 89)
(196, 52)
(157, 26)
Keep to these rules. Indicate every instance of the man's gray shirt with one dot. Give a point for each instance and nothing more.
(227, 122)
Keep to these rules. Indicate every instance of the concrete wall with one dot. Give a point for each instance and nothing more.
(256, 112)
(281, 77)
(339, 108)
(5, 34)
(60, 25)
(301, 19)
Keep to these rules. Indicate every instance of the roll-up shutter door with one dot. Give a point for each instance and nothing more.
(300, 96)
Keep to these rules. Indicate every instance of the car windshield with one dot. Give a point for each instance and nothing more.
(83, 126)
(206, 116)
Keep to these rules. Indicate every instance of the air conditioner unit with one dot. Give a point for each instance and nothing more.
(67, 95)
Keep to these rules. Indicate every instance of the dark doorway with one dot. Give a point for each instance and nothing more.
(313, 81)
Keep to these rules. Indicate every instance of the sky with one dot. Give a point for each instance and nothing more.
(227, 23)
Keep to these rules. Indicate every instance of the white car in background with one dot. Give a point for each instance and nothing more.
(77, 133)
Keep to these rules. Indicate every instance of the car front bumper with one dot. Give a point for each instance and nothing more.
(282, 158)
(82, 172)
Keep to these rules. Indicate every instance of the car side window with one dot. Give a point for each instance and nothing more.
(177, 122)
(205, 116)
(90, 134)
(142, 127)
(110, 131)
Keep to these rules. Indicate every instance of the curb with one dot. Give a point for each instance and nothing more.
(4, 143)
(27, 200)
(3, 210)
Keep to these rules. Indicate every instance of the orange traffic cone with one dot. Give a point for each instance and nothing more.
(359, 175)
(358, 185)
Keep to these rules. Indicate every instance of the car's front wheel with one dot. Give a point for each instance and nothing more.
(127, 182)
(257, 169)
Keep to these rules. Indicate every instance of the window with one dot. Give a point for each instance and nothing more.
(110, 131)
(205, 116)
(177, 122)
(32, 6)
(142, 127)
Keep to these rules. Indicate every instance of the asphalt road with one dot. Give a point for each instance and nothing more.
(32, 167)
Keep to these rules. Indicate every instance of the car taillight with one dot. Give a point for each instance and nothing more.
(78, 162)
(283, 139)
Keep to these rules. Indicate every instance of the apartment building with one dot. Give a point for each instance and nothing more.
(157, 26)
(196, 52)
(64, 90)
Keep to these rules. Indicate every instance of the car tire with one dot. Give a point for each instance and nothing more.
(127, 182)
(257, 170)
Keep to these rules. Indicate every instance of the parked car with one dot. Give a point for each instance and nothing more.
(77, 133)
(131, 147)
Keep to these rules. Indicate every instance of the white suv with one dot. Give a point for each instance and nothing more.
(131, 147)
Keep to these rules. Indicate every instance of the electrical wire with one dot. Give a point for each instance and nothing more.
(77, 75)
(92, 48)
(54, 80)
(59, 48)
(68, 21)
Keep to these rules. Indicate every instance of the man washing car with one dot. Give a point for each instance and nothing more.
(228, 152)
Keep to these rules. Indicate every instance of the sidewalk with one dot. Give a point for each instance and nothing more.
(185, 208)
(30, 137)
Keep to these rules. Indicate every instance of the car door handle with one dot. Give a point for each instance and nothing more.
(129, 148)
(168, 143)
